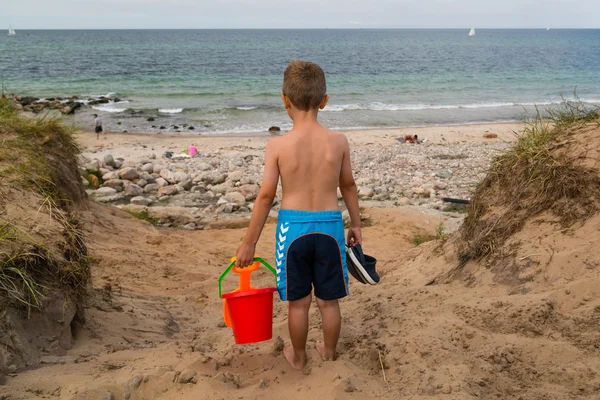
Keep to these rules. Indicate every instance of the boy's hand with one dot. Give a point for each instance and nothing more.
(354, 236)
(244, 255)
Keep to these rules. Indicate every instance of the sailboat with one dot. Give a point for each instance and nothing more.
(547, 29)
(11, 31)
(472, 32)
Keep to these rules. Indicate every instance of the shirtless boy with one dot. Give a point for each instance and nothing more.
(312, 161)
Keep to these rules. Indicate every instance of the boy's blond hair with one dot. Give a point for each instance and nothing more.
(304, 84)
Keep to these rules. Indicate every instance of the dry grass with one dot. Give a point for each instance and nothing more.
(539, 173)
(38, 162)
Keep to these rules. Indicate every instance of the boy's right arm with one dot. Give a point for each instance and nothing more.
(350, 195)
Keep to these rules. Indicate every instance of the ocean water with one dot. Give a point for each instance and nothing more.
(229, 81)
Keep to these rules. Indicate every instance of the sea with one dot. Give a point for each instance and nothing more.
(225, 82)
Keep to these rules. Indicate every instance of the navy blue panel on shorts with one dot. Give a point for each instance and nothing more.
(310, 254)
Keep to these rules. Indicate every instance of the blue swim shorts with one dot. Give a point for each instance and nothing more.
(310, 252)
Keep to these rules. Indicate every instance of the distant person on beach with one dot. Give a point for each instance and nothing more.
(98, 127)
(312, 161)
(16, 97)
(192, 150)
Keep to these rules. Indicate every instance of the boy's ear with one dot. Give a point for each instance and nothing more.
(286, 101)
(324, 102)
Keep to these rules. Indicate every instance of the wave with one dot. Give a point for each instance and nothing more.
(108, 108)
(170, 110)
(376, 106)
(246, 108)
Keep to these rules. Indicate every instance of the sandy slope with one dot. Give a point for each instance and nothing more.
(155, 312)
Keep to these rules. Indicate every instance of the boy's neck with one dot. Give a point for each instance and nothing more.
(305, 118)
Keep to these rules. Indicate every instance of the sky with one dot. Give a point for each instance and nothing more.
(236, 14)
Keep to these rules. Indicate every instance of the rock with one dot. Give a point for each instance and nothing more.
(235, 198)
(2, 379)
(190, 227)
(162, 182)
(151, 187)
(85, 182)
(109, 396)
(349, 387)
(149, 168)
(132, 190)
(444, 174)
(109, 198)
(380, 190)
(490, 136)
(365, 191)
(162, 127)
(191, 128)
(167, 175)
(440, 185)
(93, 181)
(113, 183)
(158, 169)
(147, 177)
(419, 191)
(128, 173)
(135, 382)
(141, 183)
(249, 191)
(222, 201)
(181, 177)
(187, 185)
(235, 176)
(188, 376)
(446, 389)
(168, 190)
(151, 119)
(141, 201)
(105, 191)
(204, 167)
(219, 189)
(404, 201)
(218, 179)
(274, 129)
(278, 345)
(109, 160)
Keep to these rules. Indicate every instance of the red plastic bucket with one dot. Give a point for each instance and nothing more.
(251, 314)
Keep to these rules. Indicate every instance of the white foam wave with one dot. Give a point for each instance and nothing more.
(376, 106)
(246, 108)
(108, 108)
(170, 110)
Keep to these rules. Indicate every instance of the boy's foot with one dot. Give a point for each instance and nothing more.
(298, 364)
(325, 355)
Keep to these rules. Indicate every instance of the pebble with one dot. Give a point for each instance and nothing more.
(188, 376)
(349, 387)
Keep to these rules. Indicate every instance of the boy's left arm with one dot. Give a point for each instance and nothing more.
(262, 206)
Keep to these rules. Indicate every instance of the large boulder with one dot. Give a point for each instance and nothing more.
(168, 190)
(151, 187)
(149, 168)
(109, 160)
(235, 176)
(204, 167)
(132, 190)
(249, 191)
(235, 198)
(161, 182)
(128, 173)
(113, 183)
(105, 191)
(141, 201)
(167, 175)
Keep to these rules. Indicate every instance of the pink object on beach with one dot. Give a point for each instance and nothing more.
(192, 150)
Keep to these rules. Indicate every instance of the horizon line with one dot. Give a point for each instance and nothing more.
(284, 29)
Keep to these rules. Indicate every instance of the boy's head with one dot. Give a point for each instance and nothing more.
(304, 86)
(95, 115)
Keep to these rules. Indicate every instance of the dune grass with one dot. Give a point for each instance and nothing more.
(420, 238)
(38, 160)
(537, 174)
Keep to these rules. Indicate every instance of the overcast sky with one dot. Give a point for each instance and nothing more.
(206, 14)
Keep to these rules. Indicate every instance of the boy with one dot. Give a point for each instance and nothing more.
(98, 127)
(311, 161)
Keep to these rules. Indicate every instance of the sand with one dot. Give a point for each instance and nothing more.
(138, 145)
(155, 320)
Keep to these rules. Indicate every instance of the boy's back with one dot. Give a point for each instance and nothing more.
(310, 161)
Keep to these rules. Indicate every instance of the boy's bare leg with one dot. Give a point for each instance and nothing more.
(298, 326)
(331, 317)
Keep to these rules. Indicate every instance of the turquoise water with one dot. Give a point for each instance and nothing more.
(228, 81)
